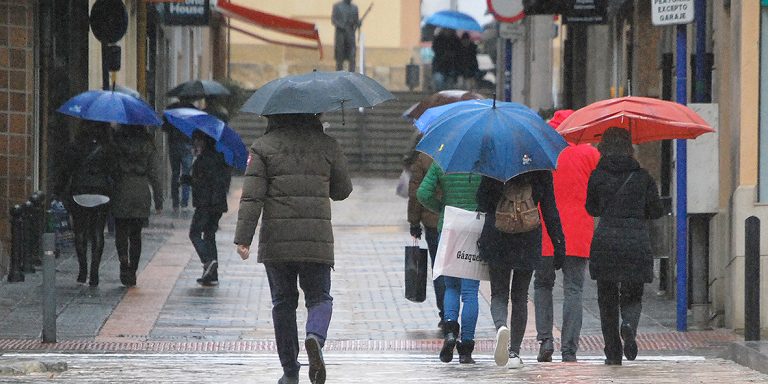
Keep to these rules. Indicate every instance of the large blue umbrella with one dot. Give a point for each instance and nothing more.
(497, 139)
(228, 142)
(454, 20)
(109, 106)
(316, 92)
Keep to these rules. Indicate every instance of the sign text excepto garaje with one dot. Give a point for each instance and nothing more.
(671, 12)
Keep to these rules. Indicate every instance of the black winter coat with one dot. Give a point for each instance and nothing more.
(210, 181)
(520, 250)
(621, 246)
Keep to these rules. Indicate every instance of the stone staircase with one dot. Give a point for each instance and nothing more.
(373, 140)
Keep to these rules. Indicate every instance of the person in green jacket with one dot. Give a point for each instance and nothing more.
(458, 190)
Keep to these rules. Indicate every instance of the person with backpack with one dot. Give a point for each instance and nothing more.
(210, 184)
(624, 196)
(458, 190)
(85, 186)
(511, 244)
(574, 165)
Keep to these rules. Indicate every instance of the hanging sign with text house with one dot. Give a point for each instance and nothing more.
(187, 12)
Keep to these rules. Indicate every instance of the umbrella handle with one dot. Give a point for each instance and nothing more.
(342, 112)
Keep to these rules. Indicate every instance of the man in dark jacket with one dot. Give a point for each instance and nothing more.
(210, 184)
(445, 63)
(294, 172)
(180, 155)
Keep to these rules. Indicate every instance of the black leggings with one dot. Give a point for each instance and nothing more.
(88, 225)
(128, 241)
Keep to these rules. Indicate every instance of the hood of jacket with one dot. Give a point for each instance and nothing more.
(618, 164)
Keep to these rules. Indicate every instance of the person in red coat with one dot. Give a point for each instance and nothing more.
(574, 166)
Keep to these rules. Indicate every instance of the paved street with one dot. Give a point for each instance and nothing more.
(169, 329)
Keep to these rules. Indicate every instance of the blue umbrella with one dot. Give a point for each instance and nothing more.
(109, 106)
(454, 20)
(316, 92)
(497, 139)
(228, 142)
(428, 117)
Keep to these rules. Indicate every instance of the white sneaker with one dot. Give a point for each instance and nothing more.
(500, 355)
(515, 362)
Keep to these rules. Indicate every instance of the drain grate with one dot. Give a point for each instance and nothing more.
(670, 341)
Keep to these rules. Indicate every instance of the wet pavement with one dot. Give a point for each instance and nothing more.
(169, 329)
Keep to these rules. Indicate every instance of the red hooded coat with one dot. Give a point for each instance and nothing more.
(574, 166)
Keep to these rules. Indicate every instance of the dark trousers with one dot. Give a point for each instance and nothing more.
(128, 241)
(618, 301)
(501, 291)
(431, 235)
(315, 281)
(202, 232)
(88, 226)
(344, 49)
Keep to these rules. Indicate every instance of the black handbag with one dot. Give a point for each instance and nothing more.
(415, 274)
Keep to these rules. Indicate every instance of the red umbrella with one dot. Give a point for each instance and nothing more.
(439, 98)
(647, 120)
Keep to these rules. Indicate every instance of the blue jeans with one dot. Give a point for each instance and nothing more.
(464, 290)
(181, 163)
(202, 232)
(315, 280)
(441, 81)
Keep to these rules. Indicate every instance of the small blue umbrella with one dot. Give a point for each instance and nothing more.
(109, 106)
(497, 139)
(228, 142)
(454, 20)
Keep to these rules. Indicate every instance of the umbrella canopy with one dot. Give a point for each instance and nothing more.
(439, 98)
(316, 92)
(228, 142)
(109, 106)
(497, 139)
(454, 20)
(198, 89)
(646, 119)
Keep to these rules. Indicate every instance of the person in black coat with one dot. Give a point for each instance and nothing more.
(210, 184)
(85, 185)
(624, 196)
(445, 68)
(516, 256)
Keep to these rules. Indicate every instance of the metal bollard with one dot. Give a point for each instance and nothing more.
(49, 288)
(28, 231)
(752, 279)
(15, 271)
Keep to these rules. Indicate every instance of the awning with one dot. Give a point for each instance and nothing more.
(297, 28)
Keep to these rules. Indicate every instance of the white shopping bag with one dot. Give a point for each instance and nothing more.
(457, 253)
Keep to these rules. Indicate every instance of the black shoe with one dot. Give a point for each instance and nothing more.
(465, 349)
(630, 345)
(288, 380)
(83, 275)
(127, 276)
(210, 274)
(315, 357)
(451, 330)
(94, 281)
(612, 362)
(546, 349)
(569, 358)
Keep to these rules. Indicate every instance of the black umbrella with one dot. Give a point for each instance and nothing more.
(199, 89)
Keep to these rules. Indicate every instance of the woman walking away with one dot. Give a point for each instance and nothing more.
(458, 190)
(85, 184)
(210, 184)
(516, 255)
(136, 172)
(624, 196)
